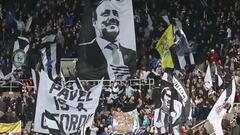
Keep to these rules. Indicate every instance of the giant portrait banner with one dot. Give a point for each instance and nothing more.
(125, 122)
(73, 108)
(126, 25)
(108, 46)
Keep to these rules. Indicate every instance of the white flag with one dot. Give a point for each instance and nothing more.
(216, 114)
(74, 108)
(232, 96)
(1, 75)
(208, 79)
(220, 81)
(223, 105)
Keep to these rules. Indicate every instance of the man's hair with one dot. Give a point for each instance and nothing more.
(100, 31)
(94, 14)
(95, 6)
(164, 91)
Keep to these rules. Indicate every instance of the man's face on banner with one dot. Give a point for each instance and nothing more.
(167, 98)
(107, 21)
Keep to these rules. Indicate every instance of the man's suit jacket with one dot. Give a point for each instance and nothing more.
(92, 64)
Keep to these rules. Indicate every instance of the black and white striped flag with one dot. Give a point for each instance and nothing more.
(50, 56)
(174, 108)
(116, 90)
(184, 54)
(168, 112)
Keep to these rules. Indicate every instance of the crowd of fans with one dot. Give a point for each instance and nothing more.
(213, 31)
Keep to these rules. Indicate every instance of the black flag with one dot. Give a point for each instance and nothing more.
(183, 97)
(50, 55)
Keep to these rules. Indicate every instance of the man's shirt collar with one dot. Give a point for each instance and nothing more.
(104, 43)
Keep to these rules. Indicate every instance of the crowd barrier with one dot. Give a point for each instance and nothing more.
(135, 83)
(25, 84)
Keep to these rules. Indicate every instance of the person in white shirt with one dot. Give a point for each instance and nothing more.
(129, 90)
(93, 129)
(229, 33)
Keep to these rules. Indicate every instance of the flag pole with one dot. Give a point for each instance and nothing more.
(173, 93)
(216, 79)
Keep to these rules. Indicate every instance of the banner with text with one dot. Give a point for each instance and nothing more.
(125, 122)
(74, 108)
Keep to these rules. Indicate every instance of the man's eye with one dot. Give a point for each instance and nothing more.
(115, 13)
(105, 13)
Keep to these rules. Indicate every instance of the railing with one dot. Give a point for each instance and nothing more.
(199, 124)
(132, 82)
(11, 85)
(135, 83)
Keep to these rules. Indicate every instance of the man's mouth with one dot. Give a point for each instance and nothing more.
(112, 26)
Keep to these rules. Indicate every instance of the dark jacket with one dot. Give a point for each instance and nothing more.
(92, 64)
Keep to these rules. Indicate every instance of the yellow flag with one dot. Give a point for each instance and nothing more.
(14, 128)
(163, 45)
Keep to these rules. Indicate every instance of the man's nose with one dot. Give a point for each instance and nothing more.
(112, 15)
